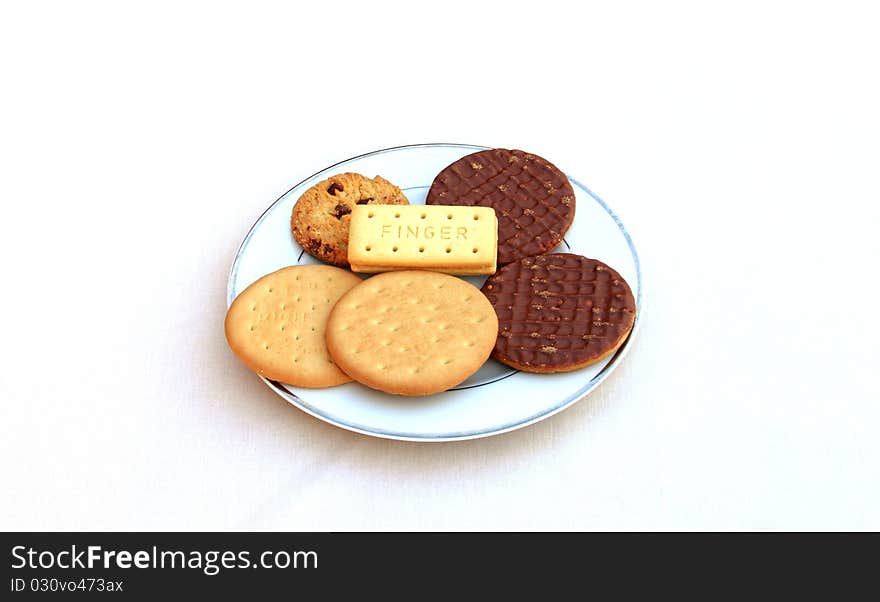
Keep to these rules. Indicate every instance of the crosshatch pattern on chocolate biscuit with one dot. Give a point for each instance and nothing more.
(559, 312)
(533, 199)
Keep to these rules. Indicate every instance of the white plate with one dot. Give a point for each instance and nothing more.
(496, 399)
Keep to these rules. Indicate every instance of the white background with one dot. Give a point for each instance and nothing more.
(738, 143)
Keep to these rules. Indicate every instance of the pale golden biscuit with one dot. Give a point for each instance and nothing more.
(453, 240)
(412, 332)
(319, 220)
(276, 325)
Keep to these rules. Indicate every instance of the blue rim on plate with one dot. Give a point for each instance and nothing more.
(461, 435)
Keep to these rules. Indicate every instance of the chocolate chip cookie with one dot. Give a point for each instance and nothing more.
(321, 216)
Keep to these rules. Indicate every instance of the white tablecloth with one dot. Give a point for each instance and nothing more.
(739, 148)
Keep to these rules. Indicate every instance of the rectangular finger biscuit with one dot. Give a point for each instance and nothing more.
(455, 240)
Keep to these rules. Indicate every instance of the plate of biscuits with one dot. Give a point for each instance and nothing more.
(435, 292)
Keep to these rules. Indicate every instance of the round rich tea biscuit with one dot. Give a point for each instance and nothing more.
(276, 325)
(533, 199)
(412, 332)
(559, 312)
(321, 217)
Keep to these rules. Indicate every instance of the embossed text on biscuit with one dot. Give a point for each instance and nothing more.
(455, 240)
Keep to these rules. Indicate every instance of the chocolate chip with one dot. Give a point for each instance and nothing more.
(364, 201)
(341, 210)
(328, 250)
(334, 188)
(314, 246)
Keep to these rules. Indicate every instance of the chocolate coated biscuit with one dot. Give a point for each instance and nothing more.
(533, 200)
(559, 312)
